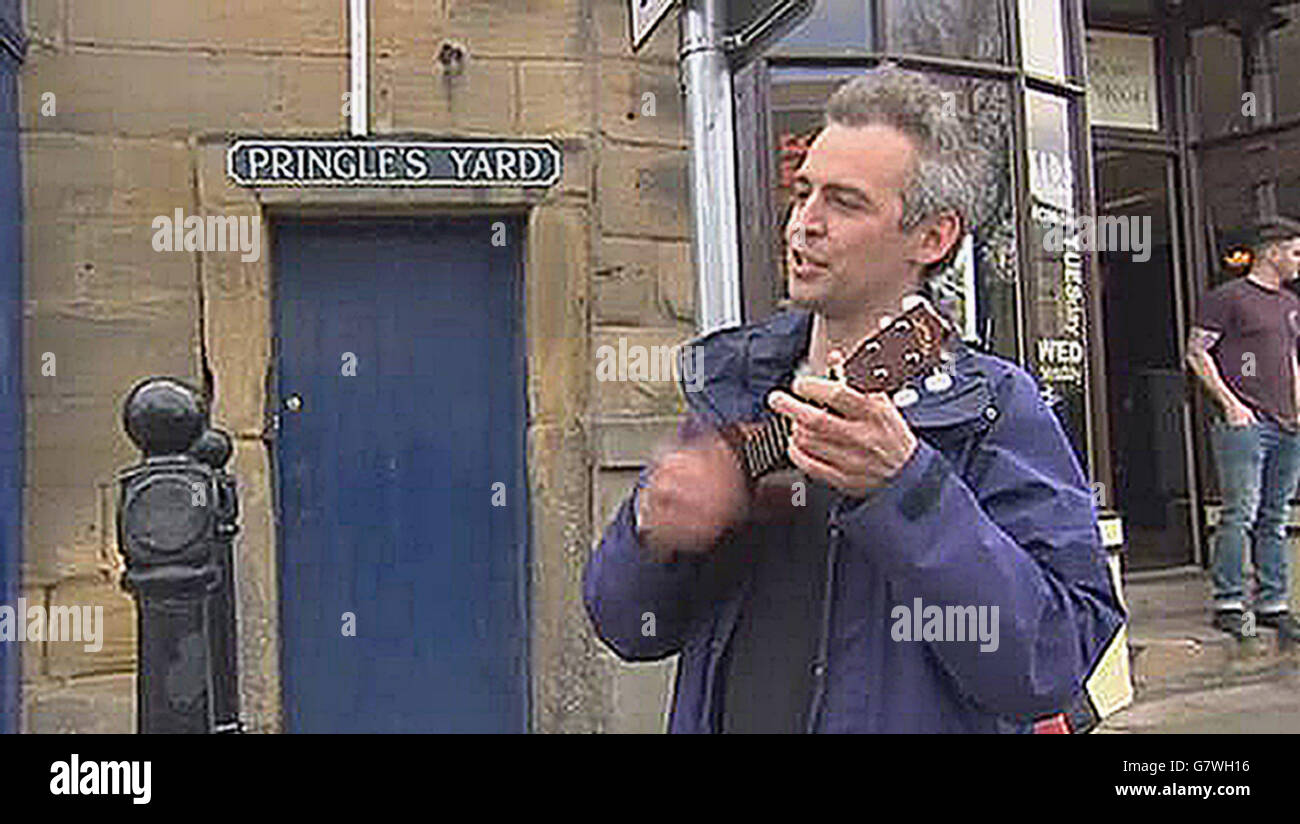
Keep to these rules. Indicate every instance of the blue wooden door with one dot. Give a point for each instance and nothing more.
(12, 428)
(401, 488)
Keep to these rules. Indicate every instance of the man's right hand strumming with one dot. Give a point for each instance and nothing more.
(694, 495)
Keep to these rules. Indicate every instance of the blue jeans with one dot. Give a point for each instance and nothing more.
(1258, 469)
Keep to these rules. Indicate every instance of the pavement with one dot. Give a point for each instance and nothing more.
(1191, 678)
(1271, 706)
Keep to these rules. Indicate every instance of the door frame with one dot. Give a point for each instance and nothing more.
(1174, 89)
(236, 353)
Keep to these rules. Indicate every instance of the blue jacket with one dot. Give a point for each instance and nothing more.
(991, 509)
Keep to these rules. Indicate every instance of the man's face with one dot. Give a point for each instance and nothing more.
(843, 241)
(1285, 256)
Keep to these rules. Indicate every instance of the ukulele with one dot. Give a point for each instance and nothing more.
(888, 361)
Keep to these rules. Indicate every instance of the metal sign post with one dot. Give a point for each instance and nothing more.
(716, 38)
(715, 238)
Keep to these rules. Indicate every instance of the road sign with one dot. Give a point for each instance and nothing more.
(752, 25)
(646, 15)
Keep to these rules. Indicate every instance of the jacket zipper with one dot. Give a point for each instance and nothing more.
(719, 636)
(821, 663)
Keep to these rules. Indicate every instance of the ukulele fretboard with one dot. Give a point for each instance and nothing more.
(762, 446)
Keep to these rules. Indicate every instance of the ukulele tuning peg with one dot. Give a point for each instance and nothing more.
(905, 397)
(885, 320)
(938, 381)
(911, 302)
(835, 366)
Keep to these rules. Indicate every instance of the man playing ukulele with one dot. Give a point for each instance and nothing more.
(967, 499)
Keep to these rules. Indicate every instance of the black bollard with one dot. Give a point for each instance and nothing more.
(214, 449)
(175, 523)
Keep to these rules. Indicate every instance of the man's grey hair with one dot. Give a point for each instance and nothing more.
(950, 171)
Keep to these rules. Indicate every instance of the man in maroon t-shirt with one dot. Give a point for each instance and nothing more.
(1243, 348)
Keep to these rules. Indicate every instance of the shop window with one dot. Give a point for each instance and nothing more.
(1230, 176)
(833, 25)
(1216, 54)
(968, 29)
(1042, 37)
(1286, 46)
(1236, 176)
(978, 292)
(1055, 297)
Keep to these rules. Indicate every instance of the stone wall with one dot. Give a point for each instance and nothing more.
(127, 108)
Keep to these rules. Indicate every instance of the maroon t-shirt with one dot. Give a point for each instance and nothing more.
(1260, 329)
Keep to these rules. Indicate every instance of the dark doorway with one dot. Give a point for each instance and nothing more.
(1146, 381)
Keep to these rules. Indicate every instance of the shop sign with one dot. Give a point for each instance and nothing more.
(1122, 88)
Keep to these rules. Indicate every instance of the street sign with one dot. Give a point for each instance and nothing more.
(475, 163)
(749, 25)
(752, 25)
(646, 15)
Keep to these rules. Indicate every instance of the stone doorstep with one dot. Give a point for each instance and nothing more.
(1174, 661)
(1173, 648)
